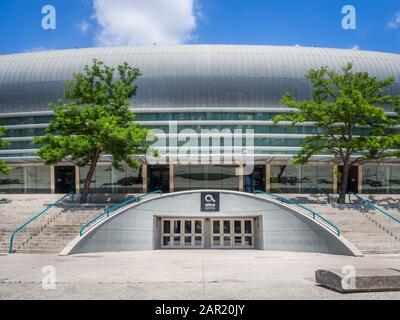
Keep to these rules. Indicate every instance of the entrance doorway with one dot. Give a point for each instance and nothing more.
(232, 233)
(182, 233)
(158, 178)
(352, 182)
(64, 179)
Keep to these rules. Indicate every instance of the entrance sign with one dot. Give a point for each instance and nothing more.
(209, 202)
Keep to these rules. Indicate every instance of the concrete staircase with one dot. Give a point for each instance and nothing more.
(49, 233)
(17, 210)
(60, 230)
(369, 230)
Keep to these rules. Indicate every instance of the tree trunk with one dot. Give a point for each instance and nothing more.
(89, 177)
(343, 187)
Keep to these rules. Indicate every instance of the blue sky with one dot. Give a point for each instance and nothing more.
(88, 23)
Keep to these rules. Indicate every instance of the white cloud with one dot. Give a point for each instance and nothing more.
(84, 26)
(395, 22)
(130, 22)
(354, 47)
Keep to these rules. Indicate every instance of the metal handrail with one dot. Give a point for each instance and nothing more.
(372, 205)
(314, 214)
(107, 212)
(322, 191)
(35, 217)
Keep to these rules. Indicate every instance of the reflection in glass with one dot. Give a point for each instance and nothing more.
(188, 241)
(188, 226)
(247, 226)
(227, 241)
(216, 226)
(198, 241)
(167, 226)
(238, 241)
(227, 226)
(177, 226)
(238, 226)
(217, 241)
(166, 241)
(198, 226)
(177, 241)
(248, 241)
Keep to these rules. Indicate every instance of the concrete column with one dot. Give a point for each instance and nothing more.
(52, 180)
(241, 177)
(77, 180)
(360, 179)
(145, 178)
(268, 177)
(334, 179)
(171, 178)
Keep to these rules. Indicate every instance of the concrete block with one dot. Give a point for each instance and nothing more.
(359, 280)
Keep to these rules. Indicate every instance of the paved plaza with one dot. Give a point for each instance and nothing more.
(202, 274)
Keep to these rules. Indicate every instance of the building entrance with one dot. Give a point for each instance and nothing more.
(182, 233)
(64, 179)
(232, 233)
(198, 233)
(352, 182)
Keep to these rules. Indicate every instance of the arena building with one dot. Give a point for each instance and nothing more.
(190, 88)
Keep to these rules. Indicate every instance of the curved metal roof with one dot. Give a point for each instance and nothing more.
(186, 76)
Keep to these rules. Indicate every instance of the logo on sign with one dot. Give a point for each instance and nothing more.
(209, 201)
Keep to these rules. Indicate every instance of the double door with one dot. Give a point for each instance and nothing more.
(182, 233)
(232, 233)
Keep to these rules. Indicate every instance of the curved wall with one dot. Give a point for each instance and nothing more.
(277, 228)
(188, 76)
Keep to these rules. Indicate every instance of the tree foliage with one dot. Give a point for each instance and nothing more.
(4, 167)
(347, 109)
(95, 119)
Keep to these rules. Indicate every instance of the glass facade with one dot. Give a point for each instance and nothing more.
(380, 179)
(299, 179)
(205, 177)
(256, 180)
(109, 180)
(26, 180)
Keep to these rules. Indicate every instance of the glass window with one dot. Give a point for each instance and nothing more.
(217, 241)
(238, 226)
(227, 226)
(188, 226)
(197, 177)
(167, 226)
(177, 241)
(256, 180)
(177, 226)
(188, 241)
(197, 226)
(247, 226)
(216, 226)
(166, 241)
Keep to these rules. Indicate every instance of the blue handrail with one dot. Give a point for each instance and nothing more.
(35, 217)
(320, 190)
(372, 205)
(314, 214)
(107, 212)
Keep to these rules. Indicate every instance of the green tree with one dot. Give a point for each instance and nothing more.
(347, 108)
(4, 168)
(95, 119)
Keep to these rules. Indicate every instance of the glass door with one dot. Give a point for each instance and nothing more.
(232, 233)
(182, 233)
